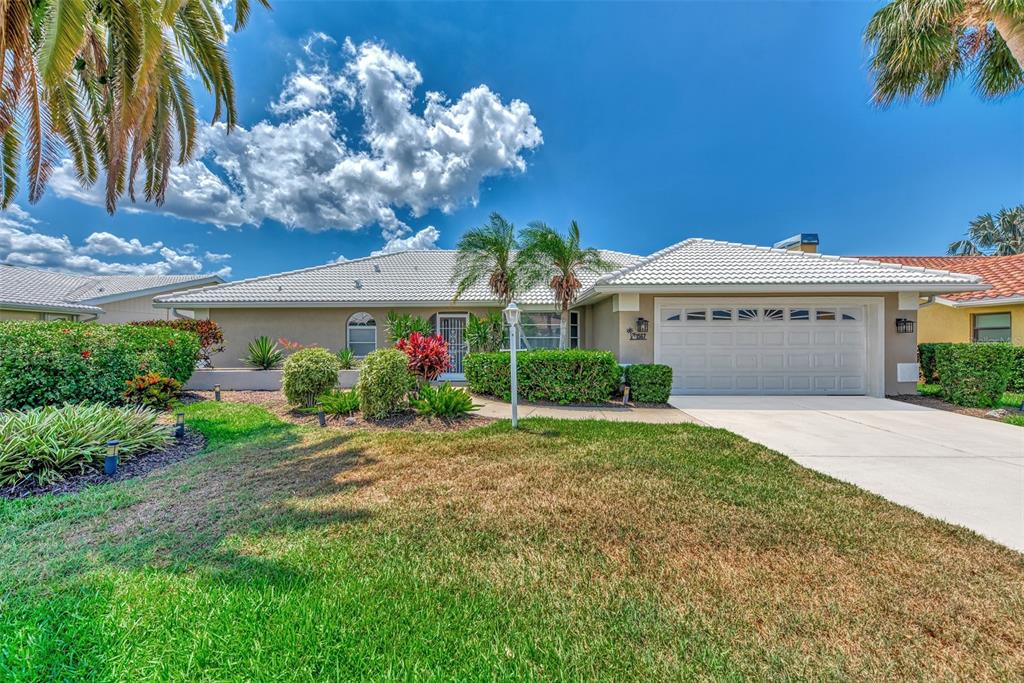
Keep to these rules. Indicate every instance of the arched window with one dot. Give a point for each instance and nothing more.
(362, 334)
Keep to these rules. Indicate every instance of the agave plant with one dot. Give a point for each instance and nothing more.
(264, 354)
(347, 358)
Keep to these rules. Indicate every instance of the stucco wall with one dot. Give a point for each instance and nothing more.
(940, 323)
(130, 310)
(322, 326)
(603, 327)
(20, 315)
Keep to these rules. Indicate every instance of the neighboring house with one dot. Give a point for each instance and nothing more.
(34, 294)
(995, 314)
(728, 318)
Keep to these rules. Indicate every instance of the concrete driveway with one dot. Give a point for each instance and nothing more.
(958, 468)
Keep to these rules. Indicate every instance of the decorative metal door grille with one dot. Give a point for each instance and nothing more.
(452, 329)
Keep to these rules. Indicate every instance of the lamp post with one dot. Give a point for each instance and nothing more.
(512, 318)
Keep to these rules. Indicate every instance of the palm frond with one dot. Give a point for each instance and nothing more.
(62, 39)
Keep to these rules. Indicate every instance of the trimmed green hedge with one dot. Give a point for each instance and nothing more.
(1016, 382)
(930, 374)
(649, 383)
(572, 376)
(974, 375)
(48, 363)
(926, 359)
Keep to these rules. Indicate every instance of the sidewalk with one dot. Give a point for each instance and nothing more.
(668, 415)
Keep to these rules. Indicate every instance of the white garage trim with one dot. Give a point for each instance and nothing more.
(874, 324)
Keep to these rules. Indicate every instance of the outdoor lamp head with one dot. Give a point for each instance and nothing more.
(512, 314)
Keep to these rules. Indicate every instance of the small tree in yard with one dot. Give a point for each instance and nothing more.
(428, 355)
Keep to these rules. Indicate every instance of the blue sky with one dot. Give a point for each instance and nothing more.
(650, 123)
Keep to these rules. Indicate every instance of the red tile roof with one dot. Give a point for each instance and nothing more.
(1004, 273)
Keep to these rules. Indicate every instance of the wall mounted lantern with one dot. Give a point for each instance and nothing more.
(638, 333)
(904, 326)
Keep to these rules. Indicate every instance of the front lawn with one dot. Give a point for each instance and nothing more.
(566, 550)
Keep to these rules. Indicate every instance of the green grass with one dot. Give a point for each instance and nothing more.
(564, 550)
(1010, 400)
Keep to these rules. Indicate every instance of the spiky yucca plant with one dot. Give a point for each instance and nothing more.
(920, 47)
(108, 81)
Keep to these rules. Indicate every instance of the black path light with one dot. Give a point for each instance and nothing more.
(216, 392)
(179, 426)
(110, 462)
(320, 416)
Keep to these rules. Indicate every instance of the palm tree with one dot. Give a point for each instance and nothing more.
(562, 258)
(919, 47)
(108, 81)
(999, 235)
(490, 251)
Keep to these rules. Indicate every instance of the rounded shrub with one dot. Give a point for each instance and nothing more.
(309, 373)
(649, 382)
(384, 380)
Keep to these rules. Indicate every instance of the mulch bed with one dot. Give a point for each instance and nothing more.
(275, 402)
(136, 466)
(939, 404)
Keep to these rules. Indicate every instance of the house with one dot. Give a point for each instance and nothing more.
(728, 318)
(34, 294)
(995, 314)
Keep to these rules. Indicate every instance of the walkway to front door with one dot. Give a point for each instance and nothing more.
(452, 328)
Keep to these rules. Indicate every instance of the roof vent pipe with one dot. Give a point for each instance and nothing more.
(359, 284)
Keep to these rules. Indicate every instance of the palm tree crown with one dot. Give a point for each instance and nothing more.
(108, 80)
(489, 251)
(999, 235)
(920, 47)
(549, 253)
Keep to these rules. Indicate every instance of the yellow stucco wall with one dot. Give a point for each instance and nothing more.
(940, 323)
(20, 315)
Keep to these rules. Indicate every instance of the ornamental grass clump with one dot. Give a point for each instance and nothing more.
(46, 444)
(308, 373)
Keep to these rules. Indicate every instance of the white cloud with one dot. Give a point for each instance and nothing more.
(424, 239)
(111, 245)
(214, 257)
(23, 245)
(303, 171)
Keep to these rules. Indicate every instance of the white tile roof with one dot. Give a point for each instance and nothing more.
(416, 276)
(36, 289)
(702, 262)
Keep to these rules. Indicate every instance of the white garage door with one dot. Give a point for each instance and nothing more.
(763, 348)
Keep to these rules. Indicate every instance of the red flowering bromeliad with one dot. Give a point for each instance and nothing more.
(428, 355)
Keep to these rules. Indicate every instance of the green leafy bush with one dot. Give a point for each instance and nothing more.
(384, 380)
(263, 353)
(45, 444)
(571, 376)
(152, 390)
(1016, 381)
(48, 363)
(211, 337)
(308, 373)
(486, 334)
(347, 358)
(649, 383)
(401, 325)
(444, 402)
(926, 360)
(338, 402)
(974, 374)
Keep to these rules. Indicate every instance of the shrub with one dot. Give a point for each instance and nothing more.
(263, 354)
(444, 402)
(428, 356)
(338, 402)
(1016, 382)
(926, 360)
(401, 325)
(384, 380)
(152, 390)
(486, 334)
(570, 376)
(974, 374)
(347, 359)
(44, 444)
(211, 337)
(649, 383)
(46, 363)
(308, 373)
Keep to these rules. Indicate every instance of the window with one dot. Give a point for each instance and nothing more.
(671, 314)
(721, 314)
(850, 314)
(694, 314)
(747, 314)
(774, 314)
(825, 314)
(540, 330)
(991, 327)
(799, 314)
(362, 334)
(574, 329)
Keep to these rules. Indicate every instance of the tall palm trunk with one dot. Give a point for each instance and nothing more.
(563, 333)
(1012, 31)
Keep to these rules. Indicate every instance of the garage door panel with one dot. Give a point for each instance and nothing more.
(767, 348)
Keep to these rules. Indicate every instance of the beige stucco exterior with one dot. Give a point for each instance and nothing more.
(10, 314)
(942, 323)
(130, 310)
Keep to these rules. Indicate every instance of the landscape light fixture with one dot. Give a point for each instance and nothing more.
(320, 416)
(216, 392)
(512, 313)
(179, 426)
(110, 462)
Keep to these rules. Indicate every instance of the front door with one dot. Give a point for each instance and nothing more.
(452, 328)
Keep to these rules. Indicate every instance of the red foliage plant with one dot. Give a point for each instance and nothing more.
(211, 338)
(428, 355)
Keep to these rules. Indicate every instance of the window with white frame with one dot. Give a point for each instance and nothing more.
(362, 334)
(990, 327)
(542, 330)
